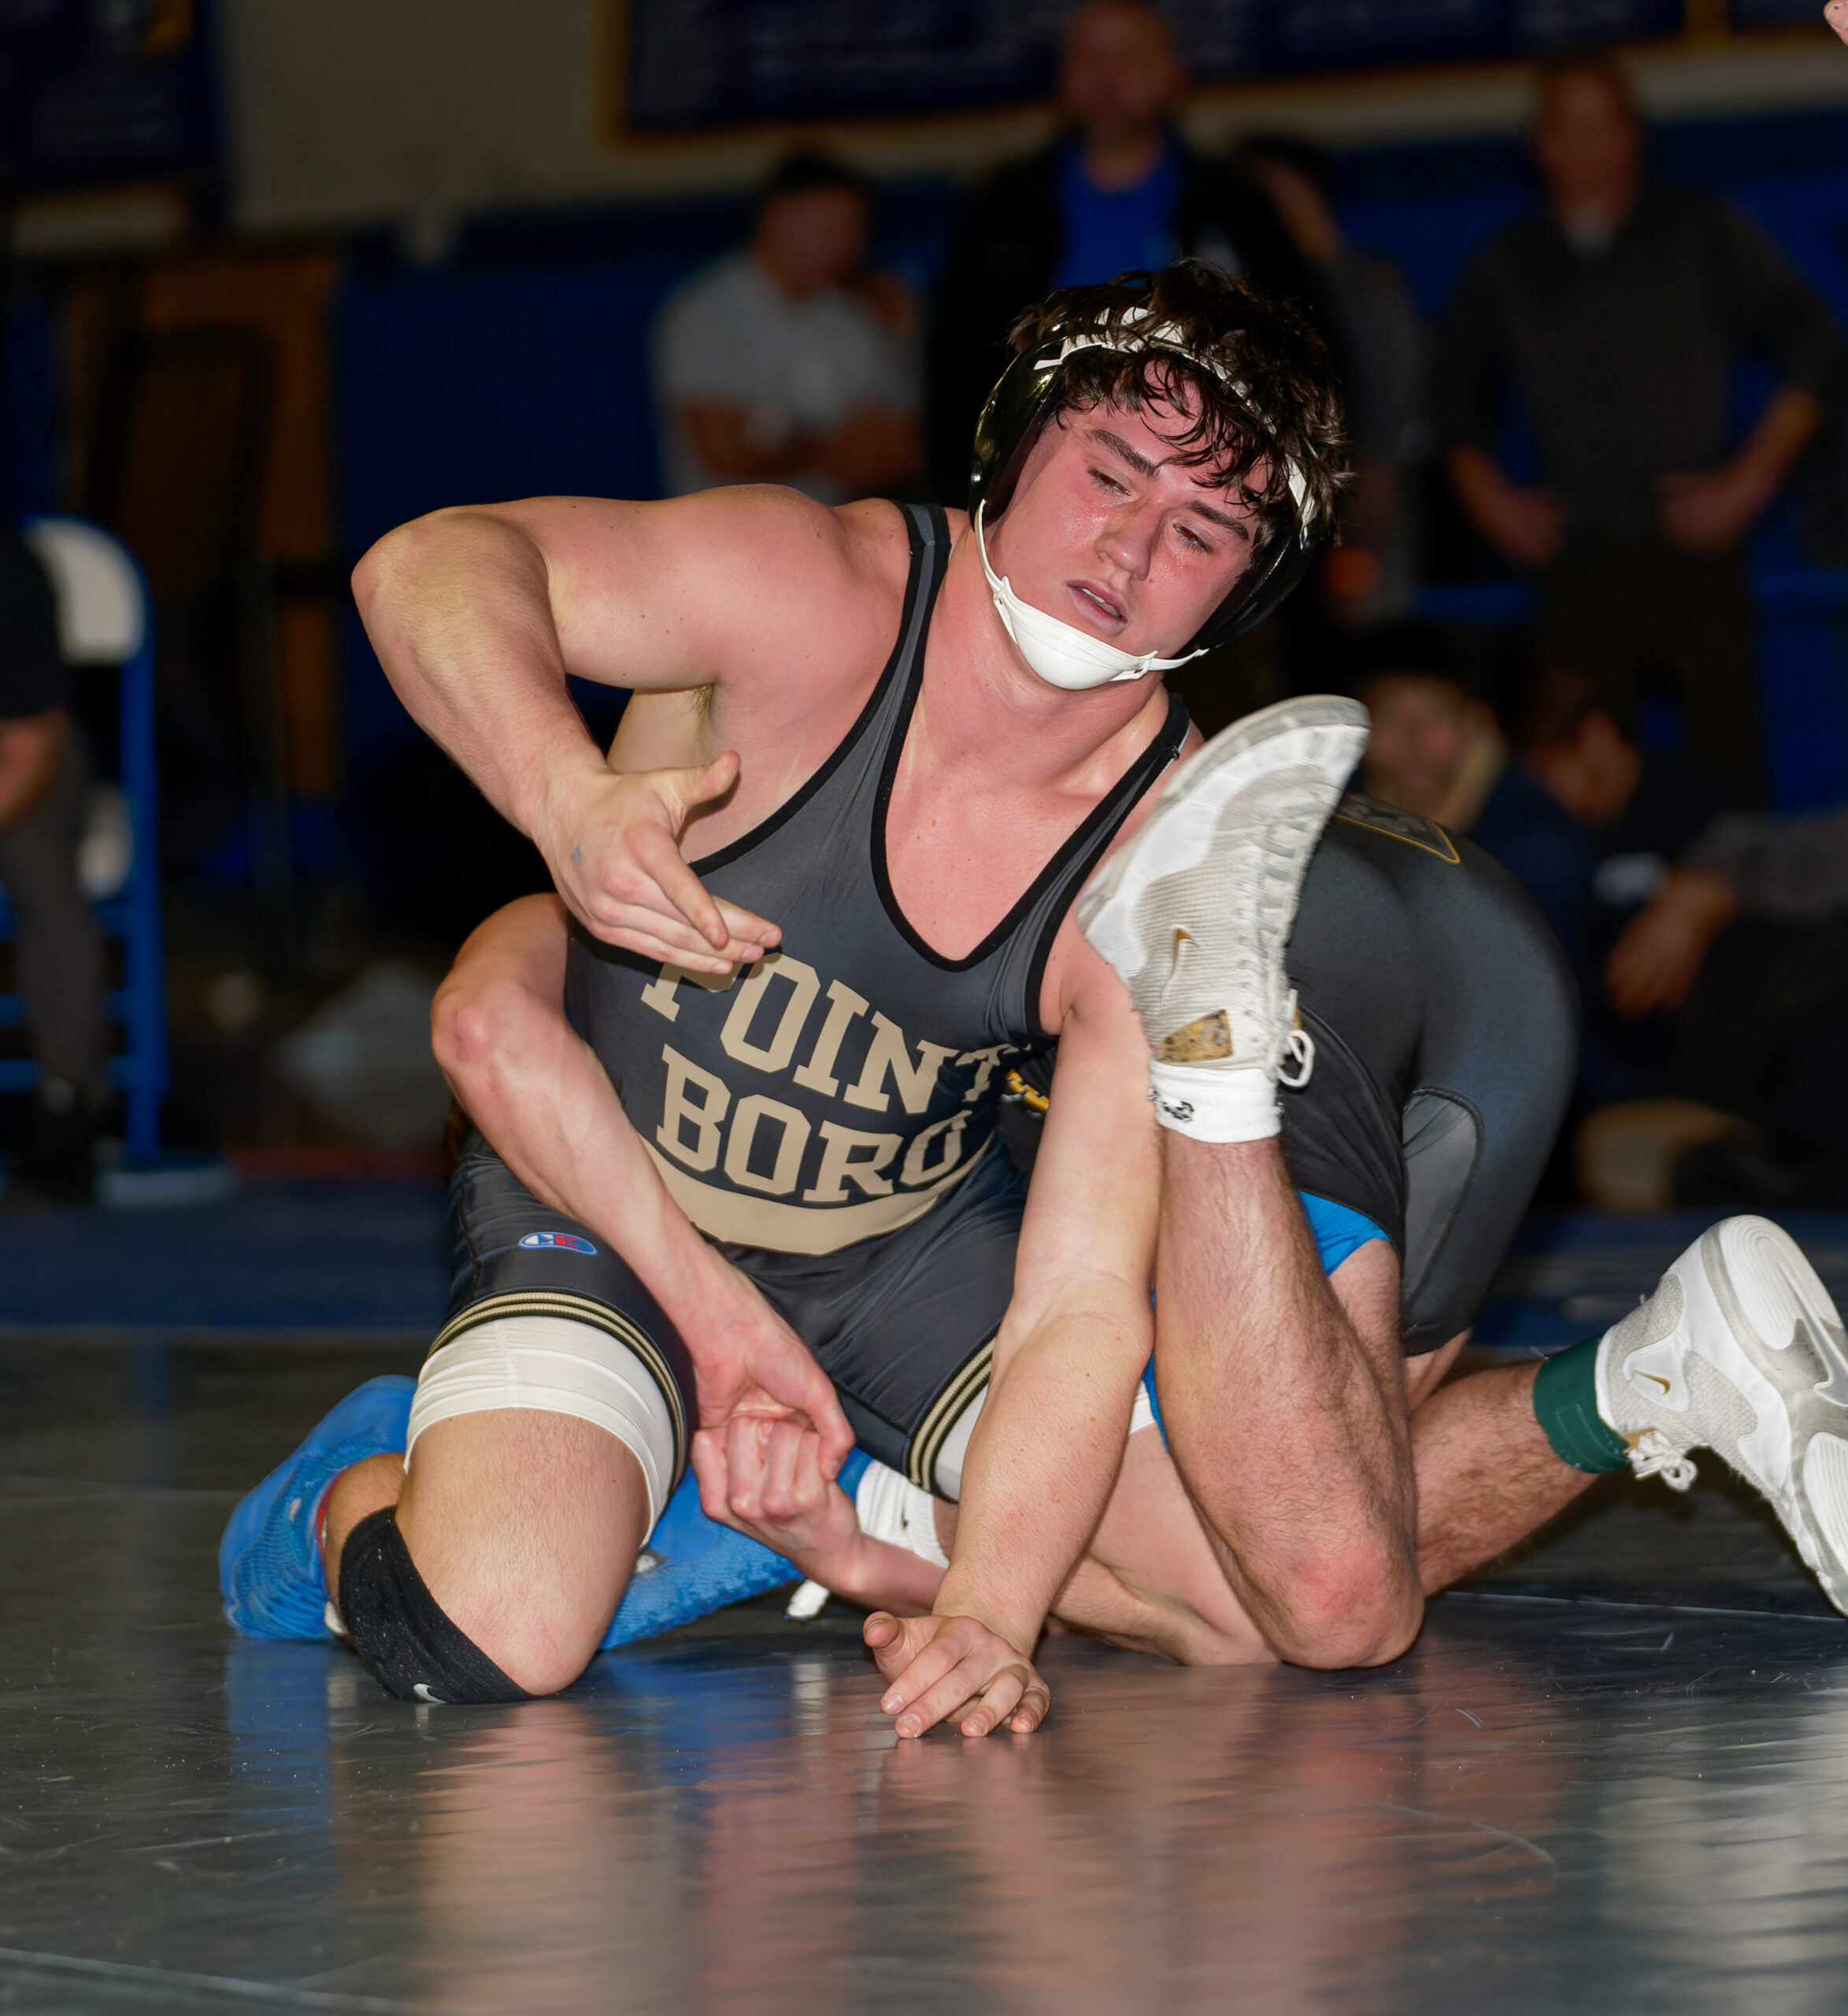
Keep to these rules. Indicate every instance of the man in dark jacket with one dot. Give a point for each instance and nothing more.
(1618, 316)
(1119, 190)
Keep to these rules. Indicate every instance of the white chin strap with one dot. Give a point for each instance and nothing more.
(1062, 655)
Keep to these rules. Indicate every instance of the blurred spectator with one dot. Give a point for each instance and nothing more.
(1120, 190)
(1618, 316)
(1747, 940)
(1438, 749)
(787, 361)
(1435, 748)
(1637, 812)
(1373, 324)
(1744, 949)
(58, 947)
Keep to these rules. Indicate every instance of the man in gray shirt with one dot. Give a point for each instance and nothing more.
(787, 361)
(1618, 316)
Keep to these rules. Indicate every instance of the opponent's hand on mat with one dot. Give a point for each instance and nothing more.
(612, 843)
(1835, 13)
(767, 1475)
(954, 1668)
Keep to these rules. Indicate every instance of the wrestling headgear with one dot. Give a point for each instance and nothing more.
(1028, 394)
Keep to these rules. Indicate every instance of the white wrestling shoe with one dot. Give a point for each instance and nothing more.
(1740, 1350)
(1195, 912)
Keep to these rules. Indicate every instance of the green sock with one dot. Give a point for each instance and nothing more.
(1565, 1404)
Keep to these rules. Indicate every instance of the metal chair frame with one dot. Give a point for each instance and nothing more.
(132, 915)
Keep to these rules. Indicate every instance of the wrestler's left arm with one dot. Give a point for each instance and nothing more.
(1072, 1348)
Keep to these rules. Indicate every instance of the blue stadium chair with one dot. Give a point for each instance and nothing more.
(105, 617)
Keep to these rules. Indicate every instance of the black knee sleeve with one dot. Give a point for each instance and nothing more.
(401, 1634)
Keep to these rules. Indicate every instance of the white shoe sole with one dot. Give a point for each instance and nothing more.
(1321, 733)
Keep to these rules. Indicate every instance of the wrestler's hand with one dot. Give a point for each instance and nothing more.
(612, 843)
(1835, 13)
(944, 1667)
(748, 1363)
(765, 1478)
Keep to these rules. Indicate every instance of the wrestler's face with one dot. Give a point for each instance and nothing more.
(1110, 531)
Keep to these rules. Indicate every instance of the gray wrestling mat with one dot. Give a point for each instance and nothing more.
(1578, 1791)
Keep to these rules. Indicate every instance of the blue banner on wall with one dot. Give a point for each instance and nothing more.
(105, 90)
(718, 62)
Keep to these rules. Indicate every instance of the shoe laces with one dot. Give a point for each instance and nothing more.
(1652, 1454)
(1298, 1047)
(1274, 882)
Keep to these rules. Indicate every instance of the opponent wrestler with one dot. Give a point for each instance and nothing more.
(1333, 1490)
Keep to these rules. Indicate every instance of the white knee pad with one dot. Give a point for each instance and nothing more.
(559, 1367)
(947, 1474)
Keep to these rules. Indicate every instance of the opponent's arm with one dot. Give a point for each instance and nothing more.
(768, 1478)
(537, 1092)
(1076, 1340)
(477, 615)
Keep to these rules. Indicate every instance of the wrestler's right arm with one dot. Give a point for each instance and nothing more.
(767, 602)
(538, 1093)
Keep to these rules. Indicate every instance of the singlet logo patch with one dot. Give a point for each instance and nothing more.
(563, 1241)
(1397, 825)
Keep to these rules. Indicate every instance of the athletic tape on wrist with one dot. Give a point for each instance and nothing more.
(1215, 1102)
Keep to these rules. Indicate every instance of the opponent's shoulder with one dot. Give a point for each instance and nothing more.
(1385, 822)
(1440, 888)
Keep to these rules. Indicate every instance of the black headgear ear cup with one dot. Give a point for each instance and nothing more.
(1022, 401)
(1025, 396)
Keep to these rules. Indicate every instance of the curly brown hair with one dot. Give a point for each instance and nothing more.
(1277, 409)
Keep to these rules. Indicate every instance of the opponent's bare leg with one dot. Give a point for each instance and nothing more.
(1486, 1476)
(1286, 1411)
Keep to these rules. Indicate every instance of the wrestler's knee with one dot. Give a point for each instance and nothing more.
(1359, 1606)
(486, 1645)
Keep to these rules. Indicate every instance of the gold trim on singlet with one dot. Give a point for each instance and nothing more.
(741, 1220)
(1415, 830)
(945, 1411)
(578, 1309)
